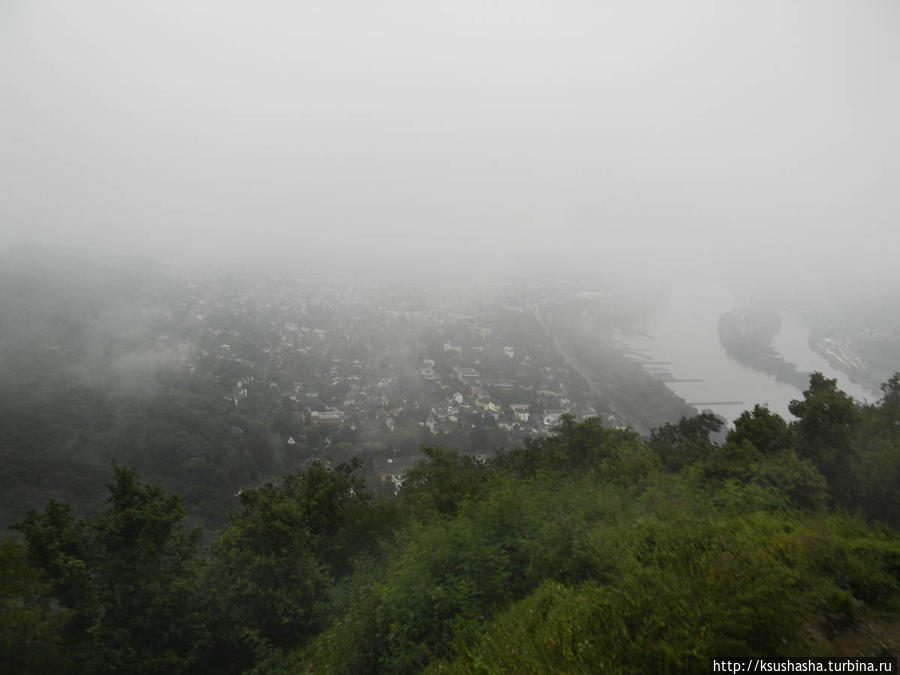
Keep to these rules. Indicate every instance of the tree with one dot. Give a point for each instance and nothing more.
(274, 565)
(31, 628)
(827, 418)
(267, 576)
(686, 442)
(58, 545)
(767, 431)
(59, 549)
(890, 401)
(145, 562)
(443, 481)
(337, 510)
(876, 446)
(128, 575)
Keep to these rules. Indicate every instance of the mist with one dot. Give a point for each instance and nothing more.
(449, 335)
(755, 141)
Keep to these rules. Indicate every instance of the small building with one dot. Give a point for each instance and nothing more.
(450, 347)
(521, 411)
(552, 417)
(468, 376)
(326, 417)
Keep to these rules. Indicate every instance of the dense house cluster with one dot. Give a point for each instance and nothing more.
(385, 370)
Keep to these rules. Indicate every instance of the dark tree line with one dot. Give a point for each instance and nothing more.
(589, 548)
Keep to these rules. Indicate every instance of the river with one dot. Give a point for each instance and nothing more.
(681, 344)
(792, 342)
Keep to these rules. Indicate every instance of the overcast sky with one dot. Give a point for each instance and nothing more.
(752, 135)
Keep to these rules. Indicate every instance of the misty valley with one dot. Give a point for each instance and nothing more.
(451, 336)
(247, 471)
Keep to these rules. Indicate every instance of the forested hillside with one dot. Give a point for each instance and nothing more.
(588, 549)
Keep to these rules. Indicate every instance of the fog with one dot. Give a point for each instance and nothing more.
(754, 140)
(430, 313)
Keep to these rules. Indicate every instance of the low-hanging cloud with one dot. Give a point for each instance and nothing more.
(758, 139)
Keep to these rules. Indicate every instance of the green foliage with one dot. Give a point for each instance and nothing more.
(862, 560)
(688, 588)
(442, 482)
(585, 550)
(827, 421)
(31, 627)
(783, 476)
(339, 512)
(876, 447)
(144, 561)
(767, 431)
(734, 460)
(679, 445)
(59, 547)
(448, 579)
(612, 454)
(450, 575)
(798, 478)
(827, 415)
(266, 571)
(128, 575)
(633, 571)
(878, 475)
(890, 400)
(274, 566)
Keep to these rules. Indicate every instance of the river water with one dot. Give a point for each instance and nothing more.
(682, 343)
(792, 342)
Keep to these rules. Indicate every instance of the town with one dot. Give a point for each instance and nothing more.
(345, 370)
